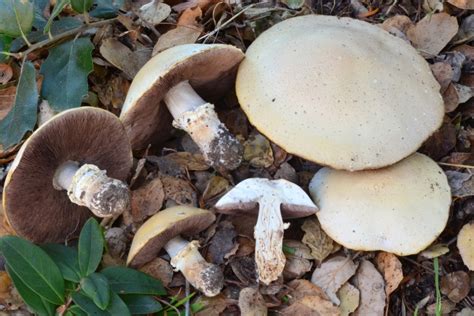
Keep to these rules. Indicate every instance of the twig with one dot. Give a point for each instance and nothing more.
(187, 304)
(455, 165)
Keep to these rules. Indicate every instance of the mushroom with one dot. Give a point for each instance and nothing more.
(275, 199)
(342, 93)
(399, 209)
(163, 230)
(84, 151)
(174, 76)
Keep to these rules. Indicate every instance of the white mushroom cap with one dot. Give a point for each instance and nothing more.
(400, 209)
(339, 91)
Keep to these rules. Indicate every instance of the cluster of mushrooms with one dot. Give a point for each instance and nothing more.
(336, 91)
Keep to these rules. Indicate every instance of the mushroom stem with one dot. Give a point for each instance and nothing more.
(268, 234)
(185, 257)
(198, 118)
(90, 186)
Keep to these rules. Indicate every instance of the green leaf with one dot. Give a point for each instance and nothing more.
(34, 268)
(65, 74)
(39, 20)
(96, 286)
(141, 304)
(116, 306)
(22, 117)
(106, 8)
(58, 7)
(66, 259)
(75, 310)
(91, 247)
(128, 281)
(16, 17)
(81, 6)
(5, 42)
(34, 301)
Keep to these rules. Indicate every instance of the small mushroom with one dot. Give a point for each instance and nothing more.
(174, 76)
(163, 230)
(84, 151)
(275, 200)
(344, 93)
(400, 209)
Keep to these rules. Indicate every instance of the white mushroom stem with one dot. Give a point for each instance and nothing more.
(198, 118)
(185, 257)
(91, 187)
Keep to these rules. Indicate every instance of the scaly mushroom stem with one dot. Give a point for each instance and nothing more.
(90, 187)
(268, 234)
(185, 257)
(198, 118)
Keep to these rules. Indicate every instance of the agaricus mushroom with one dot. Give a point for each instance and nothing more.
(173, 76)
(163, 230)
(338, 91)
(275, 200)
(84, 151)
(399, 209)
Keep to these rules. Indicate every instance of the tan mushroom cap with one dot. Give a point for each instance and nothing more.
(33, 207)
(400, 209)
(162, 227)
(210, 70)
(339, 91)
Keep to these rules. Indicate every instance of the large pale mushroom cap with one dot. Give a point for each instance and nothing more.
(339, 91)
(400, 209)
(210, 70)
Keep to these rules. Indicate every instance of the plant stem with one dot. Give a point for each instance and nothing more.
(438, 292)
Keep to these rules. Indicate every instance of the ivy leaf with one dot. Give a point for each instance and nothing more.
(96, 286)
(67, 67)
(58, 7)
(141, 304)
(22, 117)
(91, 247)
(129, 281)
(33, 300)
(16, 17)
(66, 259)
(36, 270)
(81, 6)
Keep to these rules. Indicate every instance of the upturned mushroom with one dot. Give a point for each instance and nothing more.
(173, 76)
(400, 209)
(83, 151)
(275, 200)
(163, 230)
(342, 93)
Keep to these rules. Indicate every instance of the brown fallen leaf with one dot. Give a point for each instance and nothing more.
(440, 142)
(463, 4)
(311, 305)
(179, 191)
(287, 172)
(332, 274)
(462, 184)
(6, 73)
(465, 245)
(246, 246)
(296, 267)
(215, 186)
(349, 296)
(251, 302)
(159, 269)
(316, 239)
(192, 162)
(443, 73)
(456, 285)
(154, 12)
(432, 33)
(446, 308)
(371, 286)
(147, 200)
(258, 151)
(244, 269)
(398, 25)
(391, 267)
(222, 245)
(212, 306)
(301, 288)
(202, 4)
(7, 97)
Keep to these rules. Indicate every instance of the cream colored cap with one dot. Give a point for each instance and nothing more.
(339, 91)
(400, 209)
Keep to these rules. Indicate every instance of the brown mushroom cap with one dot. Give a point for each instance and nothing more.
(339, 91)
(162, 227)
(33, 207)
(210, 70)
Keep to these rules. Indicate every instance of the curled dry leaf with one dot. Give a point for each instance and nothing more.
(154, 12)
(332, 274)
(432, 33)
(246, 246)
(222, 245)
(147, 200)
(463, 4)
(371, 286)
(392, 271)
(349, 296)
(212, 306)
(316, 239)
(244, 269)
(456, 285)
(456, 94)
(159, 269)
(462, 184)
(215, 186)
(258, 151)
(251, 302)
(178, 190)
(466, 245)
(6, 73)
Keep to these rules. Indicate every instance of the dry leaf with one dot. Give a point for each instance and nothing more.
(192, 162)
(392, 271)
(159, 269)
(154, 12)
(466, 245)
(45, 112)
(301, 288)
(463, 4)
(311, 305)
(462, 184)
(446, 308)
(222, 245)
(147, 200)
(443, 73)
(179, 36)
(440, 142)
(213, 306)
(251, 302)
(287, 172)
(349, 296)
(466, 311)
(398, 25)
(296, 267)
(6, 73)
(215, 186)
(190, 16)
(316, 239)
(178, 190)
(244, 269)
(432, 33)
(258, 151)
(246, 246)
(293, 4)
(432, 6)
(456, 285)
(7, 97)
(202, 4)
(332, 274)
(371, 286)
(435, 251)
